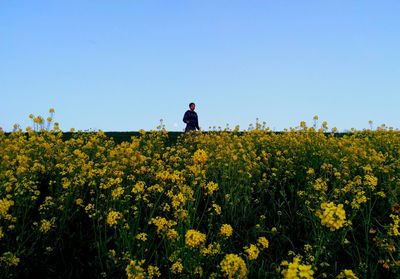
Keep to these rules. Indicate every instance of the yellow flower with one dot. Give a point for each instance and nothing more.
(305, 271)
(135, 270)
(371, 181)
(153, 271)
(79, 201)
(359, 199)
(310, 172)
(113, 217)
(9, 259)
(141, 236)
(381, 194)
(395, 226)
(332, 216)
(194, 238)
(217, 208)
(296, 270)
(138, 188)
(262, 242)
(347, 274)
(177, 267)
(200, 157)
(172, 234)
(90, 209)
(226, 230)
(5, 206)
(211, 250)
(38, 120)
(211, 187)
(233, 266)
(252, 252)
(320, 185)
(162, 224)
(178, 200)
(181, 214)
(46, 225)
(116, 193)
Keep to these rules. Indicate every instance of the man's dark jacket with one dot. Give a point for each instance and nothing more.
(191, 120)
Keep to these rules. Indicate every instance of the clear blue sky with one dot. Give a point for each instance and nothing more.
(122, 65)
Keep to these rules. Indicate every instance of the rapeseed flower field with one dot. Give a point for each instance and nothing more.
(303, 203)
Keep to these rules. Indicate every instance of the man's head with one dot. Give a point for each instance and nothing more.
(192, 106)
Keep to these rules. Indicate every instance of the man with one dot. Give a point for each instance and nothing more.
(190, 118)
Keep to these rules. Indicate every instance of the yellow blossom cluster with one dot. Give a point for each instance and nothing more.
(297, 270)
(226, 230)
(320, 185)
(5, 205)
(347, 274)
(177, 267)
(200, 157)
(370, 181)
(162, 224)
(233, 266)
(394, 229)
(135, 270)
(194, 238)
(9, 259)
(262, 242)
(252, 251)
(211, 250)
(216, 208)
(211, 187)
(46, 225)
(141, 236)
(117, 193)
(332, 216)
(113, 217)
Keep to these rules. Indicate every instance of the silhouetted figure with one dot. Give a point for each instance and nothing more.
(190, 118)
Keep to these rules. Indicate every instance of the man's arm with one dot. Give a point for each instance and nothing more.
(197, 122)
(186, 117)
